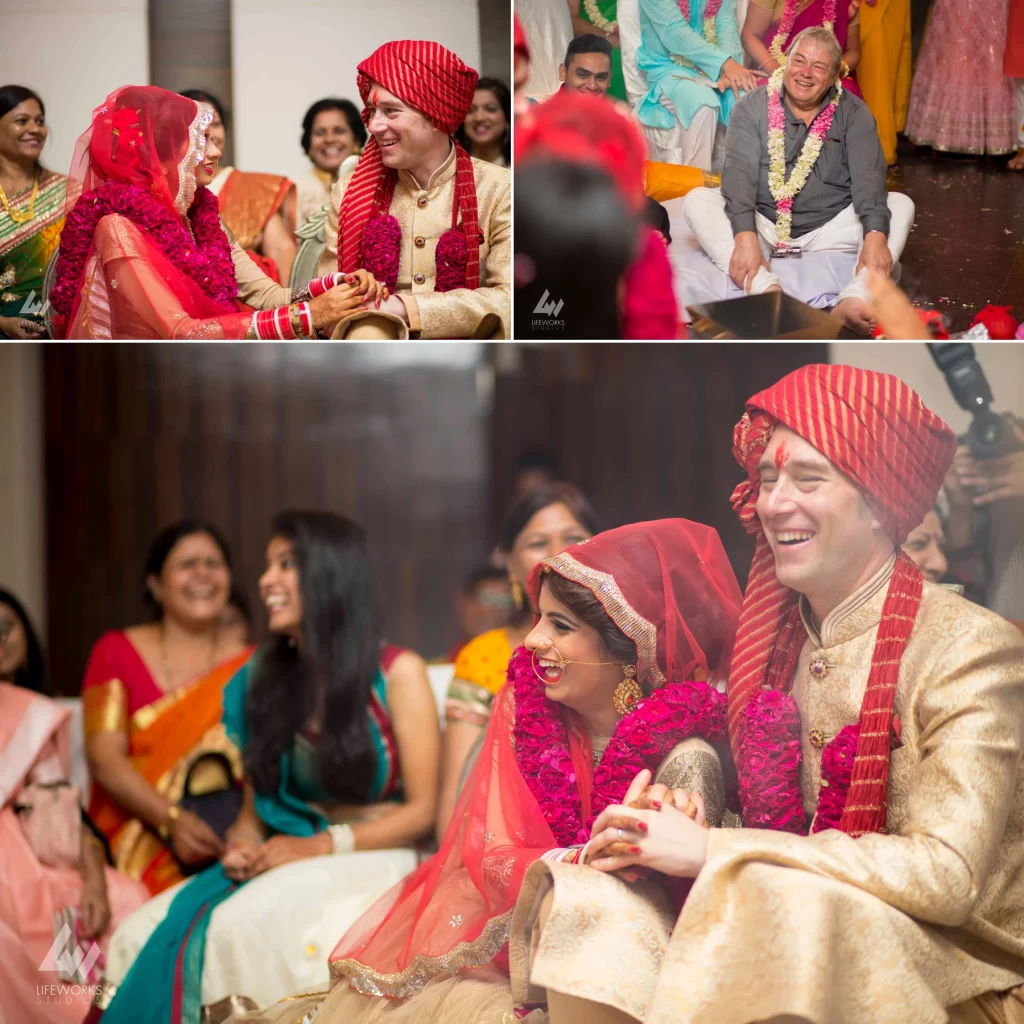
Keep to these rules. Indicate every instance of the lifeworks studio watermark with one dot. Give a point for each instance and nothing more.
(546, 314)
(75, 966)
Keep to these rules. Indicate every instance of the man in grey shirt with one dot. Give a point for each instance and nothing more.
(843, 207)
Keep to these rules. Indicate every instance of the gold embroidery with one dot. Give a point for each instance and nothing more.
(190, 161)
(630, 621)
(105, 708)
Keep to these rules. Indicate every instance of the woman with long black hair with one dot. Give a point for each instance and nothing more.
(340, 742)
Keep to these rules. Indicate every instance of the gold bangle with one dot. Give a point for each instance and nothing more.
(296, 320)
(173, 814)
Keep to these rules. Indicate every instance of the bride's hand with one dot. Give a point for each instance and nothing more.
(667, 840)
(374, 292)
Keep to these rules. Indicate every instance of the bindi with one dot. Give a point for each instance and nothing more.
(781, 456)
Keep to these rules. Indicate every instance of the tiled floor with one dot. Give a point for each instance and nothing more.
(967, 245)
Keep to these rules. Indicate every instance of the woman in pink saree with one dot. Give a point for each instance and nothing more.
(57, 896)
(618, 674)
(772, 25)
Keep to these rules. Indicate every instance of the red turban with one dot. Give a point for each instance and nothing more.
(879, 433)
(520, 45)
(439, 85)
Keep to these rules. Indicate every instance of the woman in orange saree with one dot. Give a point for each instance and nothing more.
(885, 67)
(152, 714)
(635, 627)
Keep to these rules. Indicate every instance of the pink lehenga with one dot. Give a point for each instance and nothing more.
(36, 900)
(960, 100)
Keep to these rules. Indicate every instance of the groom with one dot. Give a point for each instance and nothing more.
(418, 212)
(906, 901)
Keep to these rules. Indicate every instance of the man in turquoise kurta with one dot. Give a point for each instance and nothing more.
(691, 82)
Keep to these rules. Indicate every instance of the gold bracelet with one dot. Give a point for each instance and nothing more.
(296, 320)
(173, 814)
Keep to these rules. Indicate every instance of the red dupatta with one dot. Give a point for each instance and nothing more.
(669, 587)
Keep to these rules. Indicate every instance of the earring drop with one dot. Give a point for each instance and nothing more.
(628, 693)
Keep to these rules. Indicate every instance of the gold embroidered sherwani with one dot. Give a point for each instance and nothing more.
(827, 928)
(425, 215)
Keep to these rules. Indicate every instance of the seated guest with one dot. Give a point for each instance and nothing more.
(57, 894)
(597, 19)
(634, 630)
(585, 130)
(926, 546)
(540, 524)
(259, 209)
(771, 26)
(692, 60)
(33, 212)
(483, 604)
(332, 132)
(804, 175)
(152, 704)
(415, 182)
(144, 253)
(587, 67)
(340, 741)
(874, 719)
(487, 131)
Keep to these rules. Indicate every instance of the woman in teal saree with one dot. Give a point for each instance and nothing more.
(334, 801)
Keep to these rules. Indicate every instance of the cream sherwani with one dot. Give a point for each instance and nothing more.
(424, 215)
(912, 925)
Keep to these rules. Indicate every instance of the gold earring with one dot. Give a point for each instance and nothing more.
(628, 693)
(518, 595)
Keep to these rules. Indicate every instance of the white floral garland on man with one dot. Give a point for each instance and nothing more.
(783, 191)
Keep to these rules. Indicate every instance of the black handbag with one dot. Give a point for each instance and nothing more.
(219, 808)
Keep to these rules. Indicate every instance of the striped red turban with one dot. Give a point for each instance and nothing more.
(879, 433)
(435, 82)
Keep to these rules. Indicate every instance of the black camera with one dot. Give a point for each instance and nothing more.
(989, 434)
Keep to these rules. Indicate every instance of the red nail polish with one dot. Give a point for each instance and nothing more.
(656, 804)
(634, 849)
(642, 826)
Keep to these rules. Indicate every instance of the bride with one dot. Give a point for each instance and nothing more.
(618, 675)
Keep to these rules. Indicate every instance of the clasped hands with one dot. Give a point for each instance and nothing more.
(249, 854)
(653, 829)
(360, 291)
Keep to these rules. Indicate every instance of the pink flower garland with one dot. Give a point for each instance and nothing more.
(769, 768)
(206, 258)
(382, 245)
(642, 739)
(710, 11)
(788, 20)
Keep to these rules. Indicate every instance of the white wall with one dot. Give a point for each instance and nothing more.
(286, 56)
(22, 488)
(74, 53)
(1003, 364)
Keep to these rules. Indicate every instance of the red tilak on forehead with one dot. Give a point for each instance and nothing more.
(375, 96)
(781, 455)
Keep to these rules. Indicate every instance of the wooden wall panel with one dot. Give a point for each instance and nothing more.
(139, 435)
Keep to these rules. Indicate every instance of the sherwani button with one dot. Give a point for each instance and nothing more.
(419, 241)
(421, 202)
(419, 278)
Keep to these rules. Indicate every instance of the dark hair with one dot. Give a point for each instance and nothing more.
(587, 43)
(201, 96)
(575, 239)
(31, 675)
(504, 98)
(485, 574)
(346, 107)
(163, 544)
(540, 498)
(656, 216)
(539, 458)
(12, 96)
(589, 610)
(339, 654)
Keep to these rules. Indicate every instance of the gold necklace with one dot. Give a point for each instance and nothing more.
(16, 215)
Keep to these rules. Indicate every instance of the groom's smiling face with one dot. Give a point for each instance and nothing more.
(403, 134)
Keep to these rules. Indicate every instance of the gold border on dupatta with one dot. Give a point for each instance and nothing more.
(477, 953)
(603, 586)
(105, 708)
(194, 153)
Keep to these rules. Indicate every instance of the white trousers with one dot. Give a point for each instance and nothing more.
(704, 209)
(701, 145)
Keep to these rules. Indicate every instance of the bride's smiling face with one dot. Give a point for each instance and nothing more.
(208, 167)
(560, 636)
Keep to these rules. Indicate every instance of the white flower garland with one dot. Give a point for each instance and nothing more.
(783, 191)
(598, 20)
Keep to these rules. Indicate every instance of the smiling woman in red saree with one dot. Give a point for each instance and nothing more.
(663, 599)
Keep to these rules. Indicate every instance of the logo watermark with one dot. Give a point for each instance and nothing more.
(546, 313)
(69, 960)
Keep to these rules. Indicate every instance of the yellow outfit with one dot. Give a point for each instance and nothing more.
(480, 672)
(424, 215)
(830, 929)
(885, 67)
